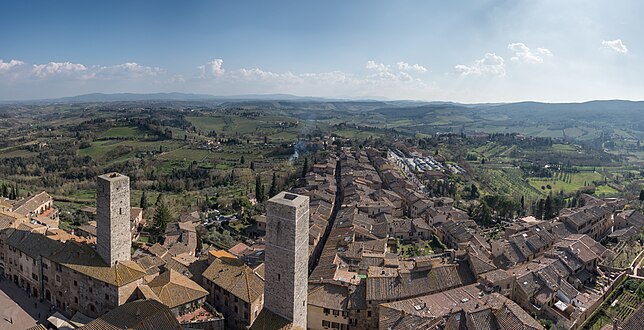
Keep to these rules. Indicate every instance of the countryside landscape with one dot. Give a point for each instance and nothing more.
(303, 165)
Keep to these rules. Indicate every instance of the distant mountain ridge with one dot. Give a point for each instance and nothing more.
(413, 106)
(172, 96)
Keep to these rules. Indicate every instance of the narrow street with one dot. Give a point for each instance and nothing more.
(336, 208)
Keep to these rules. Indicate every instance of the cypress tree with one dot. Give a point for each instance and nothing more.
(305, 167)
(272, 191)
(144, 200)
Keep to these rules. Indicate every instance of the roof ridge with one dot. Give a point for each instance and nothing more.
(247, 285)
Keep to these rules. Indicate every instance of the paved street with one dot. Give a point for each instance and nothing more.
(17, 307)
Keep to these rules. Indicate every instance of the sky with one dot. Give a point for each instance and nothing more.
(463, 51)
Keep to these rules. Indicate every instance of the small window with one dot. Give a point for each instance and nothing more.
(327, 311)
(278, 275)
(90, 290)
(75, 283)
(107, 297)
(76, 300)
(326, 324)
(336, 313)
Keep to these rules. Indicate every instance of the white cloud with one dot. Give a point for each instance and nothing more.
(385, 72)
(57, 68)
(402, 66)
(6, 66)
(616, 45)
(214, 68)
(380, 67)
(490, 64)
(124, 70)
(524, 54)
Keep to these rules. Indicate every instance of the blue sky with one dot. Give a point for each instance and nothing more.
(466, 51)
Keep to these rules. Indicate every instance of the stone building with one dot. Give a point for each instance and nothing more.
(286, 287)
(114, 239)
(235, 289)
(75, 277)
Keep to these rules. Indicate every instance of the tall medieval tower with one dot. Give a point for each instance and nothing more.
(286, 258)
(113, 237)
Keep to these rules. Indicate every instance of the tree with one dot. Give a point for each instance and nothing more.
(482, 214)
(642, 195)
(522, 203)
(305, 167)
(240, 203)
(258, 189)
(242, 160)
(272, 191)
(144, 200)
(162, 216)
(474, 192)
(252, 165)
(538, 210)
(548, 208)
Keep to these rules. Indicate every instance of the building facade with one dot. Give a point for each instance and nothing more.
(287, 241)
(113, 218)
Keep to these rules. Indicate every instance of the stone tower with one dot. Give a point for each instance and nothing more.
(113, 237)
(286, 258)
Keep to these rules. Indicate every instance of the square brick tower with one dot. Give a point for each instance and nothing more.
(113, 237)
(286, 259)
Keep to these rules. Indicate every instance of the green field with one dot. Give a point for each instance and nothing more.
(122, 132)
(111, 151)
(508, 181)
(207, 123)
(577, 180)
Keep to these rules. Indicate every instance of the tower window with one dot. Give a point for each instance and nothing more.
(120, 211)
(278, 277)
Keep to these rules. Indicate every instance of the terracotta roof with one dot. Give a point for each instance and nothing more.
(79, 257)
(85, 260)
(158, 250)
(329, 295)
(174, 289)
(235, 277)
(88, 229)
(30, 204)
(221, 254)
(466, 307)
(137, 315)
(238, 249)
(267, 320)
(12, 216)
(394, 284)
(33, 244)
